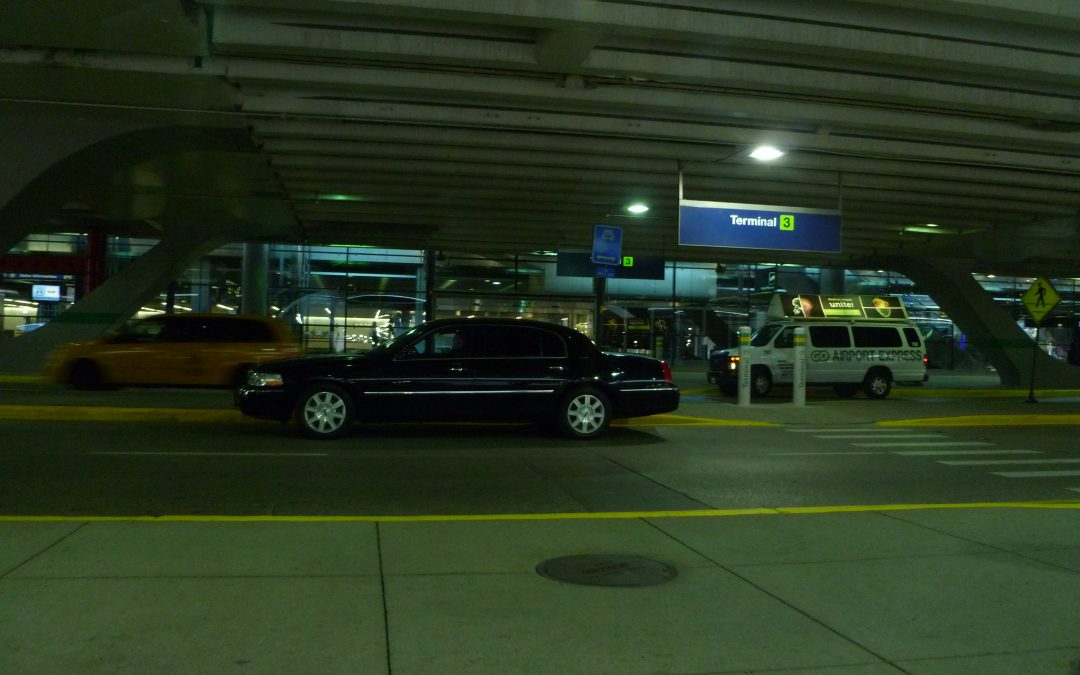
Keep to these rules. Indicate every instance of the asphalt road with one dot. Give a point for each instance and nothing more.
(153, 468)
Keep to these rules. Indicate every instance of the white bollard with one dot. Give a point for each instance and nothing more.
(744, 365)
(798, 376)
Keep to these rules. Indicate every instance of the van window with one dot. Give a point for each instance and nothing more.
(764, 334)
(786, 338)
(876, 336)
(829, 336)
(913, 338)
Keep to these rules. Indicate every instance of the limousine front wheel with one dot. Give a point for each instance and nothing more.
(324, 411)
(584, 413)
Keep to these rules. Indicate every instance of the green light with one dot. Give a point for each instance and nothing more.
(339, 198)
(628, 261)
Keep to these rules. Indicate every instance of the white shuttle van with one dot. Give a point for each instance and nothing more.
(854, 342)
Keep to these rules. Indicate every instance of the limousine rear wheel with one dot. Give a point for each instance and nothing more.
(584, 413)
(877, 384)
(324, 411)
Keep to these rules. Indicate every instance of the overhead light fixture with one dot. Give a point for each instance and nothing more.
(637, 207)
(766, 153)
(931, 224)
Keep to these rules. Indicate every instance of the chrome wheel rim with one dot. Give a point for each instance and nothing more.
(585, 414)
(879, 385)
(324, 412)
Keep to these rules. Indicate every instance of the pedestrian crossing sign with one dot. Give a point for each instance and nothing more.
(1040, 298)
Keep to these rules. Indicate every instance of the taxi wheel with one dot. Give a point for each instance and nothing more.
(877, 384)
(584, 413)
(86, 374)
(325, 411)
(760, 381)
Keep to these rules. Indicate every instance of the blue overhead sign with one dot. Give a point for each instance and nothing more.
(607, 245)
(755, 226)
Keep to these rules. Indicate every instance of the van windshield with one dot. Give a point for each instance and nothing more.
(765, 334)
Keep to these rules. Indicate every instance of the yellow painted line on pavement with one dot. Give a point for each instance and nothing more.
(87, 413)
(985, 421)
(609, 515)
(21, 379)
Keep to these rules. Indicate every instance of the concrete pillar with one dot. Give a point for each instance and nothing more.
(255, 273)
(833, 281)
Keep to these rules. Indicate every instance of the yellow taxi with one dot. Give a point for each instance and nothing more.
(205, 350)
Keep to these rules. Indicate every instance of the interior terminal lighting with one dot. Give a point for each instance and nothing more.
(637, 208)
(766, 153)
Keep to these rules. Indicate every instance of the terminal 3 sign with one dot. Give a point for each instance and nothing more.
(780, 228)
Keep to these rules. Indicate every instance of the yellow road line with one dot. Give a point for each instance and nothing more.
(985, 421)
(610, 515)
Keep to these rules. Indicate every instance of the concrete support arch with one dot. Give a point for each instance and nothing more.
(988, 327)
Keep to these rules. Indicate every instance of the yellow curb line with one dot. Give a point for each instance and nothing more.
(610, 515)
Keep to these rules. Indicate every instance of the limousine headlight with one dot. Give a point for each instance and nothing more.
(257, 378)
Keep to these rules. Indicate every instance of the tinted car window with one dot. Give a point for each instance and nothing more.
(876, 336)
(829, 336)
(786, 338)
(913, 338)
(449, 342)
(520, 342)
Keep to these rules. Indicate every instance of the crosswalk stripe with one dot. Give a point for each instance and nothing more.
(931, 453)
(826, 430)
(1035, 474)
(854, 436)
(920, 444)
(987, 462)
(1074, 489)
(836, 452)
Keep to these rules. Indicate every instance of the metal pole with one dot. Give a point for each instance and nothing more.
(798, 382)
(744, 365)
(1034, 353)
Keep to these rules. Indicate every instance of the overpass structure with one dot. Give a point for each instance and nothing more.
(946, 133)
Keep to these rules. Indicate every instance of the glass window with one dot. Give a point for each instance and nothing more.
(829, 336)
(764, 334)
(786, 338)
(912, 336)
(876, 336)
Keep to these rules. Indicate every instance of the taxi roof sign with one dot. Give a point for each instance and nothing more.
(1040, 298)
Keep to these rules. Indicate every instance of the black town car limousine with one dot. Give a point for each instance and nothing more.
(464, 369)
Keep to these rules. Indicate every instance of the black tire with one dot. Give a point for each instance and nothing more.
(325, 411)
(760, 381)
(878, 383)
(846, 390)
(86, 374)
(583, 413)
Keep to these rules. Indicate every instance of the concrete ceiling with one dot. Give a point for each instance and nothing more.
(499, 126)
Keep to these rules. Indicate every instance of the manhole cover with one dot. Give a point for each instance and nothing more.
(607, 570)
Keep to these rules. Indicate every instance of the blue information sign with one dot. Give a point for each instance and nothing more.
(755, 226)
(607, 245)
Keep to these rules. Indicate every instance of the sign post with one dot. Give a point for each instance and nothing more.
(1039, 300)
(798, 377)
(744, 365)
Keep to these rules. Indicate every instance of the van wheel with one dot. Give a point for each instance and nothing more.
(760, 381)
(325, 411)
(878, 383)
(846, 390)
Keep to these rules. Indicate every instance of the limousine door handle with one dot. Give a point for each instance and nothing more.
(456, 369)
(557, 369)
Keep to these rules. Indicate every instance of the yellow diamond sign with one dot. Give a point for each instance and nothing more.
(1040, 298)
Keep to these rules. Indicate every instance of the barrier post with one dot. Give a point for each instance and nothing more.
(744, 365)
(798, 377)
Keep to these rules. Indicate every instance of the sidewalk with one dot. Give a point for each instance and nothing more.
(927, 592)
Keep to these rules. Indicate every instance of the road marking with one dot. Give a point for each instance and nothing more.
(1075, 489)
(837, 452)
(985, 421)
(931, 453)
(611, 515)
(1035, 474)
(988, 462)
(919, 444)
(211, 454)
(827, 430)
(854, 436)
